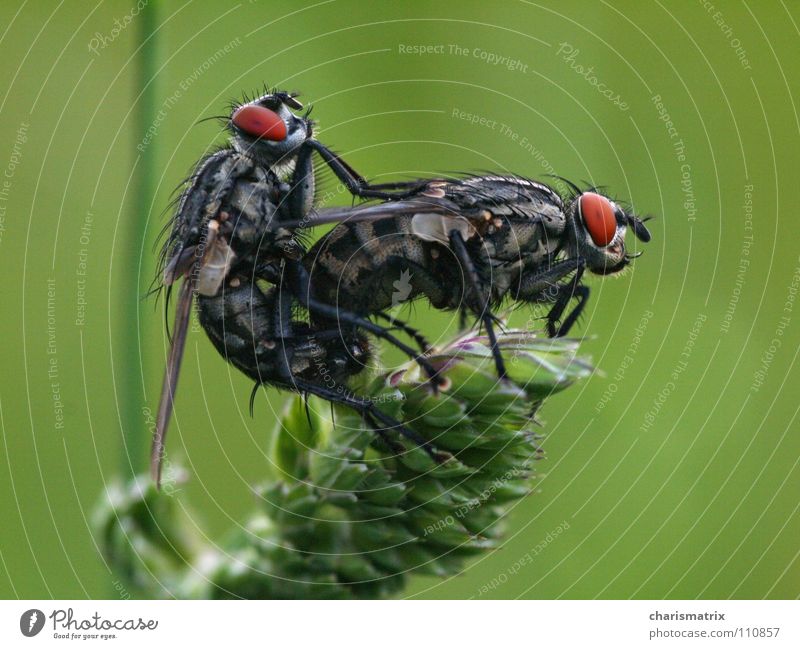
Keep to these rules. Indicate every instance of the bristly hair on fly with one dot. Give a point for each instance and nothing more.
(264, 91)
(165, 241)
(575, 191)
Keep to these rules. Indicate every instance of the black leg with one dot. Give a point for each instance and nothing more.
(462, 319)
(549, 285)
(378, 420)
(424, 345)
(253, 394)
(301, 195)
(282, 331)
(543, 285)
(474, 286)
(355, 183)
(564, 293)
(298, 276)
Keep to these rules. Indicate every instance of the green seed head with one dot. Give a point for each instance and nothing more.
(352, 513)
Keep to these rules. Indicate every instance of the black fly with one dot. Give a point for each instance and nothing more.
(469, 244)
(231, 227)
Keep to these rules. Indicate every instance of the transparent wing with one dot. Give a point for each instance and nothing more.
(182, 315)
(377, 211)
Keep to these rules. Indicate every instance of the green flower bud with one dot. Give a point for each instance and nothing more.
(350, 515)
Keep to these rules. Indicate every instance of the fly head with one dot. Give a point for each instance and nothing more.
(267, 129)
(597, 228)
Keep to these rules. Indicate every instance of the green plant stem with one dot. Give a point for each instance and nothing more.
(140, 202)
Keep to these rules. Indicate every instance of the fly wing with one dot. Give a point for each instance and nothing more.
(205, 275)
(168, 387)
(378, 211)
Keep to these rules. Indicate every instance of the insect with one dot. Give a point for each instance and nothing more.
(229, 225)
(471, 243)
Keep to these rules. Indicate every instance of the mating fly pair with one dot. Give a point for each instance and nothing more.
(471, 242)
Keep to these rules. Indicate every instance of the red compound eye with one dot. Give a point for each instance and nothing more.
(598, 215)
(258, 121)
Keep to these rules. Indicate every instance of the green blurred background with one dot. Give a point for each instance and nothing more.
(672, 474)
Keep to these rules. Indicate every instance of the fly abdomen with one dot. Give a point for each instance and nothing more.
(237, 321)
(242, 320)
